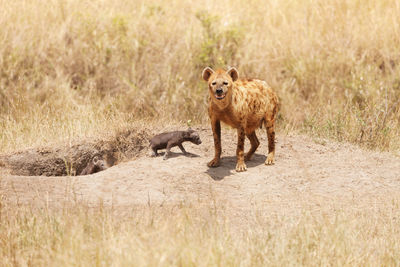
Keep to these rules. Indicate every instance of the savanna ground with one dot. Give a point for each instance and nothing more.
(83, 70)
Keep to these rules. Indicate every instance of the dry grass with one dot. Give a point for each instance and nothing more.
(78, 68)
(191, 236)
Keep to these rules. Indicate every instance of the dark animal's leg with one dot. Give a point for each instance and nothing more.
(84, 171)
(154, 152)
(182, 149)
(271, 141)
(254, 145)
(216, 128)
(167, 151)
(240, 165)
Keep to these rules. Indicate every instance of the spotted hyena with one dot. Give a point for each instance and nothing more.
(244, 104)
(171, 139)
(95, 165)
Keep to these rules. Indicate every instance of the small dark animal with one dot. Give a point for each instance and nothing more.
(171, 139)
(95, 165)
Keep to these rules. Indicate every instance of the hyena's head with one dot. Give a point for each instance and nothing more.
(220, 84)
(193, 136)
(99, 164)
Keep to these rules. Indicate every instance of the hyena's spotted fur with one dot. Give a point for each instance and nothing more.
(244, 105)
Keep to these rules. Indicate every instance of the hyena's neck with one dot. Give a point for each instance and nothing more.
(222, 105)
(237, 98)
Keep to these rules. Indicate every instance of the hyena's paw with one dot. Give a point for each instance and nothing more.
(270, 159)
(213, 163)
(241, 167)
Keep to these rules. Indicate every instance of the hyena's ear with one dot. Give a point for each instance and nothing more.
(233, 73)
(207, 73)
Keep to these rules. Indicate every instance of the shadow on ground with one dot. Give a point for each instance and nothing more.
(175, 154)
(228, 165)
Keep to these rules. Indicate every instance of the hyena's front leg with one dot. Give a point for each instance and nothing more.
(182, 149)
(216, 128)
(240, 165)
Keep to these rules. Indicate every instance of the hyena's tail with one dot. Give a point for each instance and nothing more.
(262, 122)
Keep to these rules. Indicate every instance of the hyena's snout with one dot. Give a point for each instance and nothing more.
(220, 93)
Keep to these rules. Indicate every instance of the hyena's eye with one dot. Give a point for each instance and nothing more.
(225, 83)
(213, 83)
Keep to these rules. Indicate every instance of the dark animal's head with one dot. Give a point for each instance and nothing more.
(193, 136)
(220, 83)
(99, 164)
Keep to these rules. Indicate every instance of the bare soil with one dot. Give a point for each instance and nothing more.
(71, 159)
(306, 171)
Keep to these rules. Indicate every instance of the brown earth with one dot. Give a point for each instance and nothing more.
(71, 159)
(306, 172)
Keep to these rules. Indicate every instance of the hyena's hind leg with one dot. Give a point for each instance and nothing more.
(240, 165)
(254, 145)
(154, 152)
(270, 126)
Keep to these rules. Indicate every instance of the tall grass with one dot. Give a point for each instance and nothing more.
(187, 235)
(76, 68)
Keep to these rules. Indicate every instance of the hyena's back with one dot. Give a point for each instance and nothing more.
(253, 101)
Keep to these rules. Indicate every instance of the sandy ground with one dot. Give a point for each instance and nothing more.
(305, 171)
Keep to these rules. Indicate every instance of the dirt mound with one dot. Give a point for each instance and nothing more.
(306, 171)
(72, 159)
